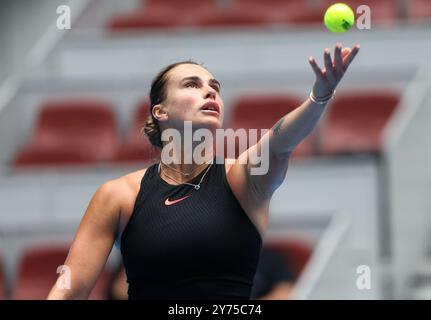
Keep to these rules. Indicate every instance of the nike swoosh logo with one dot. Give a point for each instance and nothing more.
(171, 202)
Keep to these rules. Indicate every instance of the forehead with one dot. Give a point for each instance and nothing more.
(187, 70)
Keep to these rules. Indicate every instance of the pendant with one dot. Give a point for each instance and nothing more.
(197, 187)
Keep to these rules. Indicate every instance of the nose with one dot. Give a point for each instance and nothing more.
(211, 93)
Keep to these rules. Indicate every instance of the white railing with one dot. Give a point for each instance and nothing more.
(322, 254)
(337, 265)
(38, 53)
(407, 149)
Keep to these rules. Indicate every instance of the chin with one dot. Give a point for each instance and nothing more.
(210, 124)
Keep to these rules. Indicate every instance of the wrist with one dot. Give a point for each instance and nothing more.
(322, 99)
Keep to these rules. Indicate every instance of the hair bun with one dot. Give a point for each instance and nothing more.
(152, 131)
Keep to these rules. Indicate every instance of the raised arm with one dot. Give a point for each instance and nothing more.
(291, 129)
(91, 246)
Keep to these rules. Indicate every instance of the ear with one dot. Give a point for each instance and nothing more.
(159, 112)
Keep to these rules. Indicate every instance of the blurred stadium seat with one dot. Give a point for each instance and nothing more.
(419, 10)
(234, 17)
(71, 132)
(296, 252)
(305, 12)
(263, 112)
(37, 274)
(355, 122)
(209, 13)
(165, 14)
(181, 4)
(40, 156)
(150, 18)
(276, 11)
(246, 13)
(136, 146)
(305, 16)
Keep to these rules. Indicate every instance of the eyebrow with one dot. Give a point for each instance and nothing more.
(197, 79)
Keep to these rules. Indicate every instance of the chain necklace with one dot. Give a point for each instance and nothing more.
(185, 174)
(195, 186)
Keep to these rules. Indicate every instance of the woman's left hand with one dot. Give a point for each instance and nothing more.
(328, 78)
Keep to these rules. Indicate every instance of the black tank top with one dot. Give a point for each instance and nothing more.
(182, 243)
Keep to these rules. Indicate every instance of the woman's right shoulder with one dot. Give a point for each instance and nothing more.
(123, 190)
(129, 182)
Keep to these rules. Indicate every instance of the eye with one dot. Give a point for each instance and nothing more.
(191, 85)
(216, 88)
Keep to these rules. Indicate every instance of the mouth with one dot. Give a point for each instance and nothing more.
(211, 107)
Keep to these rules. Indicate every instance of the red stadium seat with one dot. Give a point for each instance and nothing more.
(154, 18)
(38, 274)
(165, 14)
(270, 5)
(185, 4)
(274, 11)
(355, 122)
(296, 252)
(249, 13)
(71, 132)
(136, 147)
(182, 4)
(171, 14)
(419, 10)
(36, 156)
(263, 112)
(235, 17)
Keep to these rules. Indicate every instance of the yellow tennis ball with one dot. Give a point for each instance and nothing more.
(339, 17)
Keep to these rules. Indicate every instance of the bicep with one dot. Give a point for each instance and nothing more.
(93, 240)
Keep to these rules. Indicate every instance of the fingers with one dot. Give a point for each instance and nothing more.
(345, 52)
(328, 66)
(349, 58)
(334, 71)
(338, 61)
(317, 71)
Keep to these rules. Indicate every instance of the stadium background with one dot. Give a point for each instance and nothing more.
(358, 189)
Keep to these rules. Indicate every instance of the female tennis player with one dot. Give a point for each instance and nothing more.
(192, 230)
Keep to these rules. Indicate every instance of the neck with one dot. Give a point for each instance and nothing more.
(185, 156)
(183, 163)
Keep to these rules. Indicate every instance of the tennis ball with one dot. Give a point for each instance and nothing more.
(339, 18)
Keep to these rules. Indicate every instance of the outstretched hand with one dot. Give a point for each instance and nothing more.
(328, 78)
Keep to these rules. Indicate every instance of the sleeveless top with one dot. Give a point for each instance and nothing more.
(182, 243)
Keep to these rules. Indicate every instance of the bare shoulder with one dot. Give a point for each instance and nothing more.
(131, 180)
(117, 189)
(127, 189)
